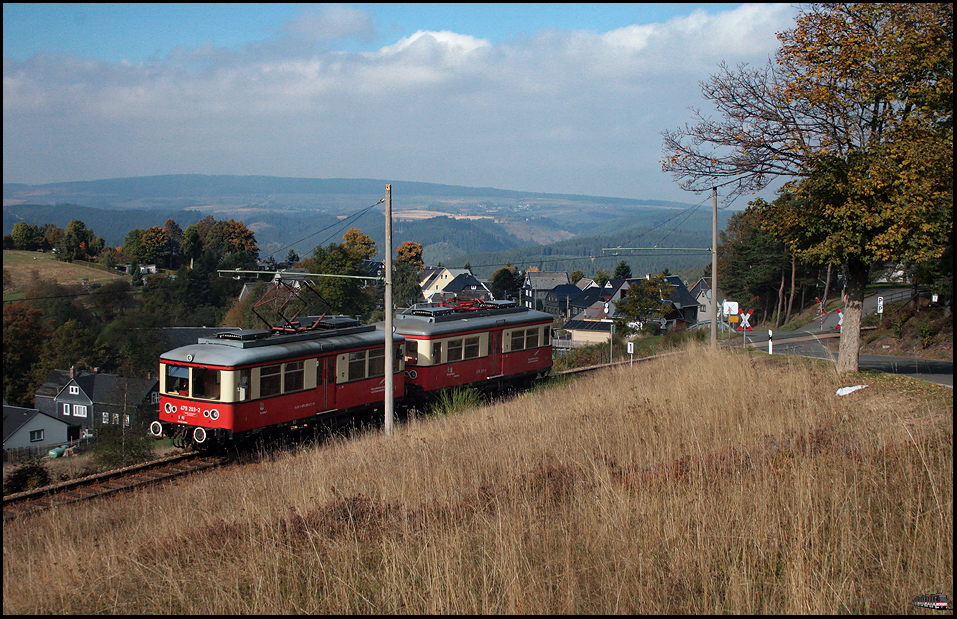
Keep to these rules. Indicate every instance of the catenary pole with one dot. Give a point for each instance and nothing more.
(714, 267)
(389, 352)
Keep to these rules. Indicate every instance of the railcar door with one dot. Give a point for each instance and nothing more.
(495, 342)
(327, 390)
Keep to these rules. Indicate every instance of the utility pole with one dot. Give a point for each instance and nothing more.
(714, 268)
(389, 352)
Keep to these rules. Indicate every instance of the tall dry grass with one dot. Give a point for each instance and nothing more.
(708, 482)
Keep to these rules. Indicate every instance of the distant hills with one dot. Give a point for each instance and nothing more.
(483, 226)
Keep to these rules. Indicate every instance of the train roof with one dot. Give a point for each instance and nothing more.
(255, 346)
(432, 321)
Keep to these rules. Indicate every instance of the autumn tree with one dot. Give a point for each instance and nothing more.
(23, 336)
(79, 242)
(856, 114)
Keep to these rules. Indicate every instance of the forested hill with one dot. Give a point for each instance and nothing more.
(484, 226)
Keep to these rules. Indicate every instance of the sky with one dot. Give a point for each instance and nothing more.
(557, 98)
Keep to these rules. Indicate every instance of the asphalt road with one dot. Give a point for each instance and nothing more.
(809, 341)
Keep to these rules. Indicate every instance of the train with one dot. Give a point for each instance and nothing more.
(331, 369)
(936, 601)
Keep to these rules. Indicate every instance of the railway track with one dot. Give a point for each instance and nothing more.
(103, 484)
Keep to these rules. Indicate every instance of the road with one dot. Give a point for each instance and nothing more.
(810, 341)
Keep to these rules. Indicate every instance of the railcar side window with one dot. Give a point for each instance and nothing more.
(531, 338)
(177, 380)
(357, 365)
(243, 391)
(472, 349)
(270, 380)
(376, 362)
(455, 350)
(412, 352)
(294, 376)
(206, 384)
(436, 352)
(518, 339)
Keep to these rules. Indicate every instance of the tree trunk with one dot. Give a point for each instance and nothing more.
(827, 286)
(787, 318)
(849, 348)
(780, 305)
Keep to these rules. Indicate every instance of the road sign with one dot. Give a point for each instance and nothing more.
(746, 321)
(840, 319)
(631, 348)
(730, 308)
(880, 305)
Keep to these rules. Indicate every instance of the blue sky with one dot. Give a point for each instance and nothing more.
(566, 98)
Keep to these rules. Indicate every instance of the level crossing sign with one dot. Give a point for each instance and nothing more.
(746, 321)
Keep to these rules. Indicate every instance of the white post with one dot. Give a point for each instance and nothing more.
(769, 342)
(389, 353)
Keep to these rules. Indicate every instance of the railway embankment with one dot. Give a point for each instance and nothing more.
(713, 481)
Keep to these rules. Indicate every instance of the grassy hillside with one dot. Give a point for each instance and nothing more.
(711, 482)
(24, 266)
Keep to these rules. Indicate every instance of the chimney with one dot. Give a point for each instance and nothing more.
(71, 371)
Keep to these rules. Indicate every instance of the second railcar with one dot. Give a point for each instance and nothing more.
(478, 344)
(247, 381)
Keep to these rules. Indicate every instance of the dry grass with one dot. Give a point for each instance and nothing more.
(715, 483)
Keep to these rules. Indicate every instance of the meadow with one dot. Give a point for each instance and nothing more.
(712, 481)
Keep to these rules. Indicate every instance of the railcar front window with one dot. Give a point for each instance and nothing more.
(177, 380)
(206, 384)
(412, 352)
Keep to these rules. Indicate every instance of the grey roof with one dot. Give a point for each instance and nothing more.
(546, 280)
(588, 325)
(100, 387)
(14, 417)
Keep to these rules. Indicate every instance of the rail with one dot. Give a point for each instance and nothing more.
(102, 484)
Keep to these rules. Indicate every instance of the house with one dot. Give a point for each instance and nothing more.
(28, 427)
(90, 400)
(558, 300)
(701, 291)
(464, 286)
(601, 304)
(434, 281)
(145, 269)
(588, 331)
(537, 285)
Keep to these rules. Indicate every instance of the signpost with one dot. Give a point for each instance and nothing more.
(745, 326)
(631, 352)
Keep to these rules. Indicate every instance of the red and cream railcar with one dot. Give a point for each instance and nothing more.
(244, 381)
(474, 344)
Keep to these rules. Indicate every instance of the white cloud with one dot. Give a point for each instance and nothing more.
(570, 112)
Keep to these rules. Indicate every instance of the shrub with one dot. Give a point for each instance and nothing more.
(26, 476)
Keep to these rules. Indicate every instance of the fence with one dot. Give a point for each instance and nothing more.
(35, 452)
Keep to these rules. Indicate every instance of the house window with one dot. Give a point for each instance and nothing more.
(79, 411)
(126, 420)
(74, 390)
(116, 419)
(106, 418)
(66, 410)
(36, 436)
(154, 397)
